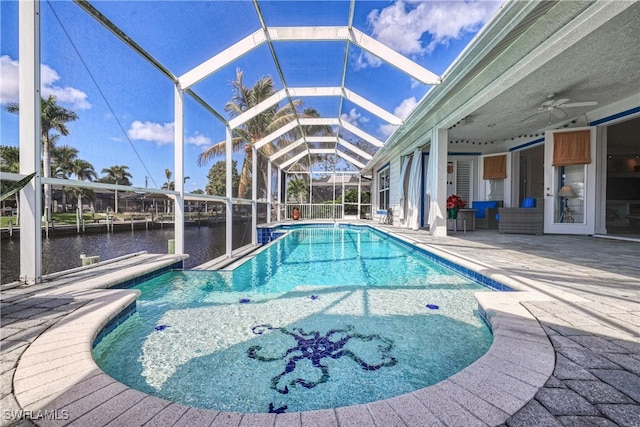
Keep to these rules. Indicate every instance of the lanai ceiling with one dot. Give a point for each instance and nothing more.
(602, 67)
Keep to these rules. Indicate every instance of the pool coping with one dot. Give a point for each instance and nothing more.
(57, 373)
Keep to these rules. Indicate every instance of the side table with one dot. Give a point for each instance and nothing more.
(452, 224)
(469, 217)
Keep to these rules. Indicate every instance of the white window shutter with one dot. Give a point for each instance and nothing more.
(463, 179)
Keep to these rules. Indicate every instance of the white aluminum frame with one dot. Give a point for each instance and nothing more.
(328, 33)
(29, 38)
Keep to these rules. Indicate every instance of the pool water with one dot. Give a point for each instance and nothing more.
(322, 318)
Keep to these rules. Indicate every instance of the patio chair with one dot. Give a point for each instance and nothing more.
(385, 216)
(527, 219)
(486, 211)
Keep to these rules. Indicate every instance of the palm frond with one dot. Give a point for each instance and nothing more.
(13, 108)
(16, 186)
(219, 149)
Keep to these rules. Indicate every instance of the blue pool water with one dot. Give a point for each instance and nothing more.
(324, 317)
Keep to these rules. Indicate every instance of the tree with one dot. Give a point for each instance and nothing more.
(62, 159)
(217, 176)
(65, 163)
(168, 185)
(298, 188)
(9, 162)
(53, 118)
(9, 159)
(256, 128)
(116, 175)
(84, 171)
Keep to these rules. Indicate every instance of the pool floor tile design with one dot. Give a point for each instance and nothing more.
(313, 347)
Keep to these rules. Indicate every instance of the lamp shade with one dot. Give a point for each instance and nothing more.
(566, 191)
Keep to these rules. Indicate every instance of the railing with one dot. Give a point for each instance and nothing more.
(315, 211)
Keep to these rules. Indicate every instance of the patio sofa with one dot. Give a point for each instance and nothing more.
(486, 211)
(527, 219)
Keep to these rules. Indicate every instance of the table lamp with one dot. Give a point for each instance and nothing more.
(566, 192)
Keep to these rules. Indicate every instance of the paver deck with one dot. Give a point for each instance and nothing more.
(566, 348)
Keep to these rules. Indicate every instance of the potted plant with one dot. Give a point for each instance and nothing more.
(295, 213)
(454, 203)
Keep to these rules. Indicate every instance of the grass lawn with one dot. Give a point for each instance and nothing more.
(58, 218)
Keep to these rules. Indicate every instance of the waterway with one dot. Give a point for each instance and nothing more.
(63, 252)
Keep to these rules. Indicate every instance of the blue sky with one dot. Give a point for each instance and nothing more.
(93, 73)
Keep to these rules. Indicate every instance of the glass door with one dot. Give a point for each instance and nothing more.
(569, 202)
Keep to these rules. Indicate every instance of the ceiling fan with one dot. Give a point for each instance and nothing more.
(556, 107)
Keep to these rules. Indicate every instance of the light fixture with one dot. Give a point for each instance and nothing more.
(566, 192)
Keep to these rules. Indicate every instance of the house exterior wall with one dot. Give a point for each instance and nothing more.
(394, 188)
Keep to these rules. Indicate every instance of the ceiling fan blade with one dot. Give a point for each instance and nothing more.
(580, 104)
(558, 113)
(528, 117)
(560, 102)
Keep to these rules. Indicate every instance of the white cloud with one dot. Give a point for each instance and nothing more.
(149, 131)
(354, 117)
(162, 134)
(405, 108)
(403, 25)
(365, 59)
(387, 129)
(9, 85)
(199, 140)
(8, 80)
(402, 111)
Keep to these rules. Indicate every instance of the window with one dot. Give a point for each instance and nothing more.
(383, 188)
(570, 204)
(494, 189)
(494, 175)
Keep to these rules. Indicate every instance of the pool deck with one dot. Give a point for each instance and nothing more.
(566, 347)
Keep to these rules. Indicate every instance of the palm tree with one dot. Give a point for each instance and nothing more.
(62, 165)
(9, 159)
(53, 118)
(171, 185)
(84, 171)
(9, 162)
(117, 175)
(255, 129)
(62, 159)
(168, 185)
(299, 188)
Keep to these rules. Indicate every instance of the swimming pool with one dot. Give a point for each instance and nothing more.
(323, 317)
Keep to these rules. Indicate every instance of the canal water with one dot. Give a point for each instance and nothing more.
(63, 252)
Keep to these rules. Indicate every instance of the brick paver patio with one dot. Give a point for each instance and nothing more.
(566, 352)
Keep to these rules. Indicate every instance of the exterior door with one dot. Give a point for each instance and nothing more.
(569, 202)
